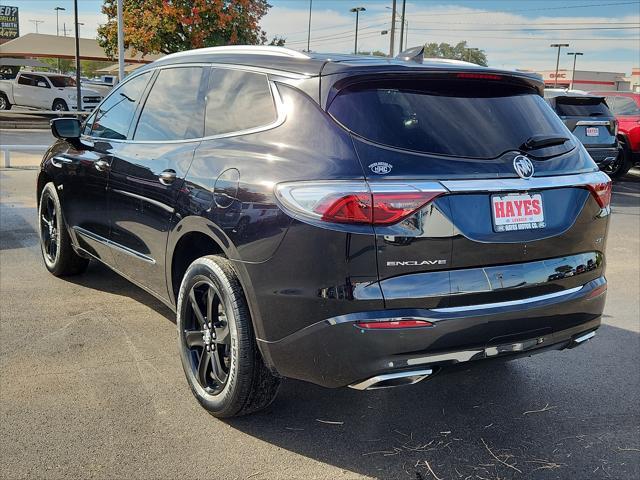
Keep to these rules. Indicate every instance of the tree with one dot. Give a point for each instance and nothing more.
(167, 26)
(375, 53)
(455, 52)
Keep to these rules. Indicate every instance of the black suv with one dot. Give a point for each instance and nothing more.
(591, 121)
(337, 219)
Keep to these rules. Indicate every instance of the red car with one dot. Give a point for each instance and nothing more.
(626, 107)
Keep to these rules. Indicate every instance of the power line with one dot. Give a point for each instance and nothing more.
(485, 12)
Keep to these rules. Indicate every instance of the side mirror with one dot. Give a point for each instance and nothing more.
(42, 84)
(66, 128)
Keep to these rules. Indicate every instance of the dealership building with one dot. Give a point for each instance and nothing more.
(590, 80)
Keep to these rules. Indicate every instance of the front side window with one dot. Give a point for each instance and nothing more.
(38, 81)
(236, 101)
(174, 109)
(61, 81)
(114, 115)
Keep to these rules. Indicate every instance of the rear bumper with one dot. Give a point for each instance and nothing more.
(603, 156)
(336, 352)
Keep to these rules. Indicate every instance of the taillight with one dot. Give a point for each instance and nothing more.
(601, 192)
(355, 202)
(394, 323)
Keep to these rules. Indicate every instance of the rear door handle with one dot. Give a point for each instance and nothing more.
(102, 165)
(167, 177)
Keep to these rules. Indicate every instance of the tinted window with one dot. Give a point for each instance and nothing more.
(620, 105)
(459, 118)
(114, 115)
(237, 101)
(26, 80)
(40, 79)
(174, 109)
(581, 107)
(61, 81)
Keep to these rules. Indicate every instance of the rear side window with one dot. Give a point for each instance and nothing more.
(446, 117)
(174, 109)
(620, 105)
(236, 101)
(113, 117)
(581, 107)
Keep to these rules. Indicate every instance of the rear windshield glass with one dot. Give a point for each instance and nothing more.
(581, 107)
(453, 117)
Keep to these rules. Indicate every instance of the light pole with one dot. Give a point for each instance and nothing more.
(78, 91)
(36, 23)
(357, 11)
(573, 72)
(404, 6)
(558, 46)
(120, 43)
(58, 9)
(309, 29)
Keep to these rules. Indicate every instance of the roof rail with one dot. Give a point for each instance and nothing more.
(242, 50)
(449, 61)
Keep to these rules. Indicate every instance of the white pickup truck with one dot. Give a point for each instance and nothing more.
(48, 91)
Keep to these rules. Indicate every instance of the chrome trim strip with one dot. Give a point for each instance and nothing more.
(593, 122)
(242, 50)
(457, 357)
(509, 303)
(105, 241)
(370, 383)
(520, 184)
(585, 337)
(161, 205)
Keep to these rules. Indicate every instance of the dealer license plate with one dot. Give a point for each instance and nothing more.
(522, 211)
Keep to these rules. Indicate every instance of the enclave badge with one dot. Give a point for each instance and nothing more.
(381, 168)
(523, 166)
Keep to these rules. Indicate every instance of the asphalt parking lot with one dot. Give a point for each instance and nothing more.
(91, 387)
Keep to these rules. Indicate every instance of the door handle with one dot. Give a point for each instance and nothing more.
(167, 177)
(58, 161)
(102, 165)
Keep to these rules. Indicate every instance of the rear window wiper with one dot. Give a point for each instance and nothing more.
(541, 141)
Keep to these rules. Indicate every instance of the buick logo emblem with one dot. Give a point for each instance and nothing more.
(381, 168)
(523, 167)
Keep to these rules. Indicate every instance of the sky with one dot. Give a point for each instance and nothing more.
(513, 33)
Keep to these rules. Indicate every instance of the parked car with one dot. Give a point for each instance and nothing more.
(626, 107)
(48, 91)
(395, 228)
(591, 121)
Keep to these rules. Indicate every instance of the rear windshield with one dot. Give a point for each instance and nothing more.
(446, 117)
(581, 107)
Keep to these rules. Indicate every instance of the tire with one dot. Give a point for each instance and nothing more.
(622, 164)
(4, 102)
(55, 244)
(60, 106)
(220, 359)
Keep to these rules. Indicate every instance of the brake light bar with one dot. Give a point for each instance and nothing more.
(394, 323)
(479, 76)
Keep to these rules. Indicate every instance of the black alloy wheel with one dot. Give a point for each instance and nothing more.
(49, 232)
(207, 336)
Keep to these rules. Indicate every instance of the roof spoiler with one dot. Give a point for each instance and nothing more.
(413, 54)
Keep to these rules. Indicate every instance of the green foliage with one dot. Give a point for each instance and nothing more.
(375, 53)
(460, 51)
(88, 68)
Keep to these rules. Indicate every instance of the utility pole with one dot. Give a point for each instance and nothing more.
(120, 43)
(558, 46)
(392, 40)
(573, 73)
(404, 6)
(58, 9)
(406, 33)
(36, 23)
(64, 29)
(357, 11)
(309, 30)
(78, 91)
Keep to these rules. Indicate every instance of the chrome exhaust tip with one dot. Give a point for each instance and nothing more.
(389, 380)
(581, 339)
